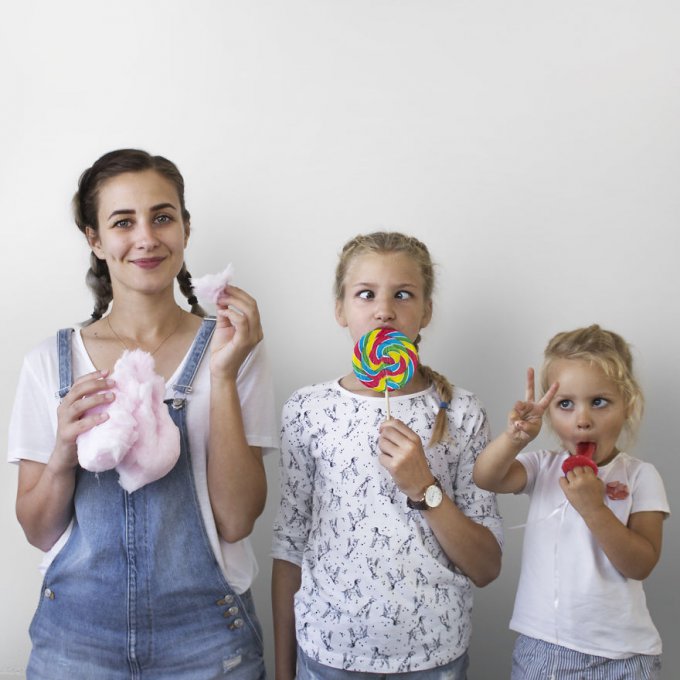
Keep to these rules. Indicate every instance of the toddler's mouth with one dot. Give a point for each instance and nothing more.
(586, 449)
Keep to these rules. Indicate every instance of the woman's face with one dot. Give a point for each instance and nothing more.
(141, 234)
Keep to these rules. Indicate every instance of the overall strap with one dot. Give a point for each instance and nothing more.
(183, 386)
(65, 361)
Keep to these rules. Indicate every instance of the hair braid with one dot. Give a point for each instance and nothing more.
(187, 289)
(99, 282)
(395, 242)
(444, 390)
(85, 205)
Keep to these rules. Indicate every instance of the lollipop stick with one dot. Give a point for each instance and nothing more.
(387, 403)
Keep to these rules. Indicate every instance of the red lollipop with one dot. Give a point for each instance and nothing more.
(582, 458)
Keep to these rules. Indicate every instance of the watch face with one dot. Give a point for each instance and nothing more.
(433, 496)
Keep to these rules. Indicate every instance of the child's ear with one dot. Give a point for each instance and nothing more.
(93, 241)
(427, 314)
(187, 232)
(340, 314)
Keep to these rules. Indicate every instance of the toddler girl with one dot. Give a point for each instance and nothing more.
(591, 537)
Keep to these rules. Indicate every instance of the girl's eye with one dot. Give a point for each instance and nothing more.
(600, 402)
(122, 224)
(565, 403)
(163, 219)
(403, 295)
(365, 294)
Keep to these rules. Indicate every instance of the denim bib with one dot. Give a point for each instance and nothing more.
(136, 591)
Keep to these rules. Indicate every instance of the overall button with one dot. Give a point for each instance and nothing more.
(49, 594)
(232, 611)
(227, 599)
(238, 623)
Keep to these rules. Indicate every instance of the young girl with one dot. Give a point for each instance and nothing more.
(152, 584)
(381, 531)
(590, 538)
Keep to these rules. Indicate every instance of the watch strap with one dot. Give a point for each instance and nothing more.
(421, 504)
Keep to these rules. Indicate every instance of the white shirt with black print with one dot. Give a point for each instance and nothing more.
(378, 593)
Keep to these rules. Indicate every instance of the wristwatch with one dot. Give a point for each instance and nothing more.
(432, 498)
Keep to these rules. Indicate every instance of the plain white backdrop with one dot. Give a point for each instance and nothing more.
(533, 145)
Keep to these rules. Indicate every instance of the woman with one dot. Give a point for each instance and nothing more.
(152, 584)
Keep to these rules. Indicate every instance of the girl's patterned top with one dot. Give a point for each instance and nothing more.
(378, 593)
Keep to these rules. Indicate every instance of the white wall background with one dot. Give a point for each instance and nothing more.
(534, 145)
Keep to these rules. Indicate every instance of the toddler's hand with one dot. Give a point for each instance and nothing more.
(584, 490)
(524, 421)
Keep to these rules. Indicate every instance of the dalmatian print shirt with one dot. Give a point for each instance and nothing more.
(378, 594)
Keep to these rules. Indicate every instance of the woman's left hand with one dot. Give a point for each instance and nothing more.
(402, 455)
(237, 332)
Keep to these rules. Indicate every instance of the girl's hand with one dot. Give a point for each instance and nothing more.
(87, 392)
(584, 490)
(524, 421)
(237, 332)
(402, 455)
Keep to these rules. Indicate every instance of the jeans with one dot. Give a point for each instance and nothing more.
(308, 669)
(136, 592)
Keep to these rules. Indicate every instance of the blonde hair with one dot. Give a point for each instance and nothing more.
(609, 352)
(394, 242)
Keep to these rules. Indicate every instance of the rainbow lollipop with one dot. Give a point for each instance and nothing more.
(385, 360)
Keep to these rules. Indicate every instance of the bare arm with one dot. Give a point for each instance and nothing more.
(469, 545)
(286, 578)
(634, 549)
(496, 468)
(237, 484)
(44, 504)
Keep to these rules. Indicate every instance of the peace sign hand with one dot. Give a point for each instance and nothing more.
(524, 421)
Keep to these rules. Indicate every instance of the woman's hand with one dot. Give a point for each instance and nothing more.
(524, 421)
(402, 455)
(74, 415)
(45, 491)
(237, 332)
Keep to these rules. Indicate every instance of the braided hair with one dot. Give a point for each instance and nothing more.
(85, 205)
(391, 242)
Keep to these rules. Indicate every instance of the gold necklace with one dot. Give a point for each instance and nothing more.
(160, 344)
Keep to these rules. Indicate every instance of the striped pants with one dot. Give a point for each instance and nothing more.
(534, 659)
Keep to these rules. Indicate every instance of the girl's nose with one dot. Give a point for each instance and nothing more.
(146, 237)
(583, 419)
(384, 311)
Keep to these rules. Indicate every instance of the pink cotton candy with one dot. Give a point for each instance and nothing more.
(208, 288)
(139, 438)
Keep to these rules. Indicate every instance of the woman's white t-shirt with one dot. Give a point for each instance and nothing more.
(33, 427)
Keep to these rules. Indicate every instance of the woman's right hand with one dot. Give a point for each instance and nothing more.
(75, 415)
(524, 421)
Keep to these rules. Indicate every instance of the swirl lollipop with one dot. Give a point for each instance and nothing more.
(385, 360)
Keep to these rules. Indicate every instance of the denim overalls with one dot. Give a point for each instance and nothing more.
(136, 591)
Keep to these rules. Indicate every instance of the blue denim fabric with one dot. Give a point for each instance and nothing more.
(534, 659)
(308, 669)
(136, 592)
